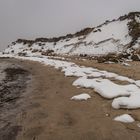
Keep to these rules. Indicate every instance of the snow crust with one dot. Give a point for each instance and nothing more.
(125, 118)
(106, 88)
(117, 30)
(83, 96)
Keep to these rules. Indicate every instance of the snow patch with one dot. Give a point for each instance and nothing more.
(125, 118)
(131, 102)
(83, 96)
(105, 87)
(126, 64)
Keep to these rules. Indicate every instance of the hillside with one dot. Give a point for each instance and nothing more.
(117, 38)
(53, 89)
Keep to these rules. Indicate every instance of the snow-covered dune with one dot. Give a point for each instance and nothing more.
(116, 36)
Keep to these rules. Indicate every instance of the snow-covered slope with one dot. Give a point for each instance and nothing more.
(116, 36)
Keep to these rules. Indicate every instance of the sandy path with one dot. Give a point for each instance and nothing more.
(49, 114)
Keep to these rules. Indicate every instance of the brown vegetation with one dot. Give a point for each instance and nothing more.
(48, 53)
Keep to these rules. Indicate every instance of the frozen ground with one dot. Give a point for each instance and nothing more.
(124, 96)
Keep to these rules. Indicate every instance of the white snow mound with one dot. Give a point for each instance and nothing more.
(125, 118)
(83, 96)
(105, 87)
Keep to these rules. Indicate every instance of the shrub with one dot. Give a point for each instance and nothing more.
(22, 53)
(48, 52)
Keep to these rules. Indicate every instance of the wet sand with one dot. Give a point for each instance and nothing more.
(45, 111)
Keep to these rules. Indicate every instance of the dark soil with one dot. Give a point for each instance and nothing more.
(13, 84)
(11, 89)
(9, 133)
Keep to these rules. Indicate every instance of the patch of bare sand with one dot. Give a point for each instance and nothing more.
(51, 115)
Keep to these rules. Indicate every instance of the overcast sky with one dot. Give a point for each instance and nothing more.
(47, 18)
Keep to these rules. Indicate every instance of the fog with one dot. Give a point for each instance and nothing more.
(30, 19)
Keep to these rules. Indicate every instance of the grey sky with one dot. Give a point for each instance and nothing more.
(46, 18)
